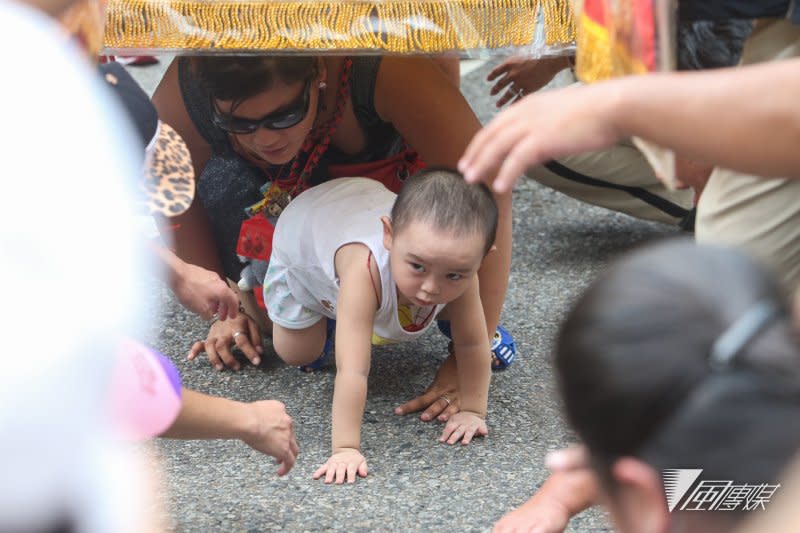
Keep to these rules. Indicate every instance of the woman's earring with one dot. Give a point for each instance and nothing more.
(322, 87)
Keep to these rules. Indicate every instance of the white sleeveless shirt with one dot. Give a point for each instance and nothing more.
(321, 220)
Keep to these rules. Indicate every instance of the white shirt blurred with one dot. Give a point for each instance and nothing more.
(69, 262)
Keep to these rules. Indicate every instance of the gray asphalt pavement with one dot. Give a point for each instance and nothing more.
(415, 483)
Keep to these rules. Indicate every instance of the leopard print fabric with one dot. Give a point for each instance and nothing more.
(169, 177)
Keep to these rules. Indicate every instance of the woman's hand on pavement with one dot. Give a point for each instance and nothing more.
(440, 400)
(241, 332)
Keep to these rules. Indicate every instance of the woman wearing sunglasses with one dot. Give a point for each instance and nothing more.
(262, 129)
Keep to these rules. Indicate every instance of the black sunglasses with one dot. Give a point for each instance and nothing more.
(290, 116)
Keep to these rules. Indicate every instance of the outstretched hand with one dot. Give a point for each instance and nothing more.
(272, 433)
(538, 128)
(343, 466)
(571, 488)
(440, 400)
(541, 514)
(520, 76)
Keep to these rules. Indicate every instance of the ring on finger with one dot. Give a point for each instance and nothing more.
(236, 334)
(446, 398)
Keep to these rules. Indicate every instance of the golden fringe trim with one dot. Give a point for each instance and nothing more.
(593, 51)
(329, 26)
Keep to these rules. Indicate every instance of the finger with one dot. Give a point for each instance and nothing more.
(497, 125)
(330, 474)
(496, 71)
(363, 470)
(456, 435)
(282, 470)
(493, 153)
(433, 410)
(447, 431)
(222, 310)
(321, 470)
(294, 447)
(488, 148)
(522, 156)
(230, 300)
(451, 409)
(341, 473)
(255, 338)
(509, 96)
(242, 342)
(436, 408)
(196, 349)
(500, 84)
(287, 460)
(213, 357)
(417, 404)
(233, 306)
(569, 458)
(223, 348)
(207, 313)
(351, 473)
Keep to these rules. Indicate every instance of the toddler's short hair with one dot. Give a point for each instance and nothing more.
(441, 197)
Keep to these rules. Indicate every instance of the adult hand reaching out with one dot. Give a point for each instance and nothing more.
(520, 76)
(205, 293)
(571, 488)
(263, 425)
(272, 433)
(538, 128)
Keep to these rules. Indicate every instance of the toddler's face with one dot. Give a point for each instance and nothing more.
(431, 266)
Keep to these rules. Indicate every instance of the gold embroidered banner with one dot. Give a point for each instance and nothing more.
(336, 26)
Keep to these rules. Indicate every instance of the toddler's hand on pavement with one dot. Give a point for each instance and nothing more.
(343, 466)
(463, 426)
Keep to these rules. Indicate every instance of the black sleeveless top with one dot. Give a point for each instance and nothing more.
(229, 183)
(723, 10)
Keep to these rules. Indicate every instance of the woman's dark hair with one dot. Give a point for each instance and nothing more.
(633, 360)
(708, 45)
(238, 78)
(443, 198)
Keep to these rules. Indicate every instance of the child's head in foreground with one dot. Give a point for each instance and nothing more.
(440, 230)
(681, 357)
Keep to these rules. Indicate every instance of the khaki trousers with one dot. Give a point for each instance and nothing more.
(761, 216)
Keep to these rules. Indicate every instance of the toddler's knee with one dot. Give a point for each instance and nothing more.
(297, 348)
